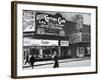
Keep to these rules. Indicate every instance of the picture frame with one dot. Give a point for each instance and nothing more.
(51, 39)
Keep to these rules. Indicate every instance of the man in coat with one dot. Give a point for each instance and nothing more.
(32, 60)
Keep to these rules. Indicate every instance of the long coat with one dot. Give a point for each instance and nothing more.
(32, 59)
(56, 64)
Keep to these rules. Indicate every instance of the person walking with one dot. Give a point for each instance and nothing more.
(32, 60)
(27, 59)
(56, 64)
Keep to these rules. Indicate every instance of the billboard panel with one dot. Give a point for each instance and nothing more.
(49, 24)
(28, 20)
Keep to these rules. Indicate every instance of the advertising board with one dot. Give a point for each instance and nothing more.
(48, 24)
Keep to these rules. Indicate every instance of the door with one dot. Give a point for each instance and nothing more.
(80, 51)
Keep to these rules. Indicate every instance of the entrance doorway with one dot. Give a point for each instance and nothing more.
(80, 51)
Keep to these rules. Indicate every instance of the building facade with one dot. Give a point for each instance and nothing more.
(44, 33)
(79, 37)
(48, 35)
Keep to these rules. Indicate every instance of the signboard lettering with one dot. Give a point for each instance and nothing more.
(50, 24)
(28, 20)
(64, 43)
(44, 42)
(40, 42)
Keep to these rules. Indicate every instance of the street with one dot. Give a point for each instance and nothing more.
(62, 64)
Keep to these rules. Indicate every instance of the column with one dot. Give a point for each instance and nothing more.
(59, 51)
(41, 53)
(51, 51)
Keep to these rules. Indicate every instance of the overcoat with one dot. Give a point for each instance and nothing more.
(56, 64)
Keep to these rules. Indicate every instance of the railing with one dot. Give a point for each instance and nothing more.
(79, 37)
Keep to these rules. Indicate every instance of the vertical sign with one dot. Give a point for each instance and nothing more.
(28, 20)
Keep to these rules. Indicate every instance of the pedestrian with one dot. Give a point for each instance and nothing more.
(56, 64)
(32, 60)
(27, 59)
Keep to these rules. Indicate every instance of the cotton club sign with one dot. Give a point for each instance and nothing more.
(50, 24)
(49, 18)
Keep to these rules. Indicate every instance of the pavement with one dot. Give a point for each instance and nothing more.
(41, 63)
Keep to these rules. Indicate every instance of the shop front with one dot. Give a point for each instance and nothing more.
(43, 51)
(80, 44)
(40, 48)
(48, 36)
(80, 49)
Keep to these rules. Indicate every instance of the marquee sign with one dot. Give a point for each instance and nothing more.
(64, 43)
(48, 18)
(40, 42)
(49, 24)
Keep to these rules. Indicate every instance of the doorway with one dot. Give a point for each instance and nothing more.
(80, 51)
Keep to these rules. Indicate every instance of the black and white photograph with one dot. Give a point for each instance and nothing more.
(54, 39)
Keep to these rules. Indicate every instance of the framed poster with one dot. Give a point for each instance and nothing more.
(53, 39)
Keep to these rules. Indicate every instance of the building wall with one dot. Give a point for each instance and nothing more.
(69, 29)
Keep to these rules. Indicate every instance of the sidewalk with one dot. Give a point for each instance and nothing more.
(41, 63)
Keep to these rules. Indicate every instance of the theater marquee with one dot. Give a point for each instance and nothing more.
(49, 24)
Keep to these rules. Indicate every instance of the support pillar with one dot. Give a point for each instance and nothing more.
(41, 53)
(59, 51)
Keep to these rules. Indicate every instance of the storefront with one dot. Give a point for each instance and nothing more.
(80, 44)
(46, 36)
(40, 48)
